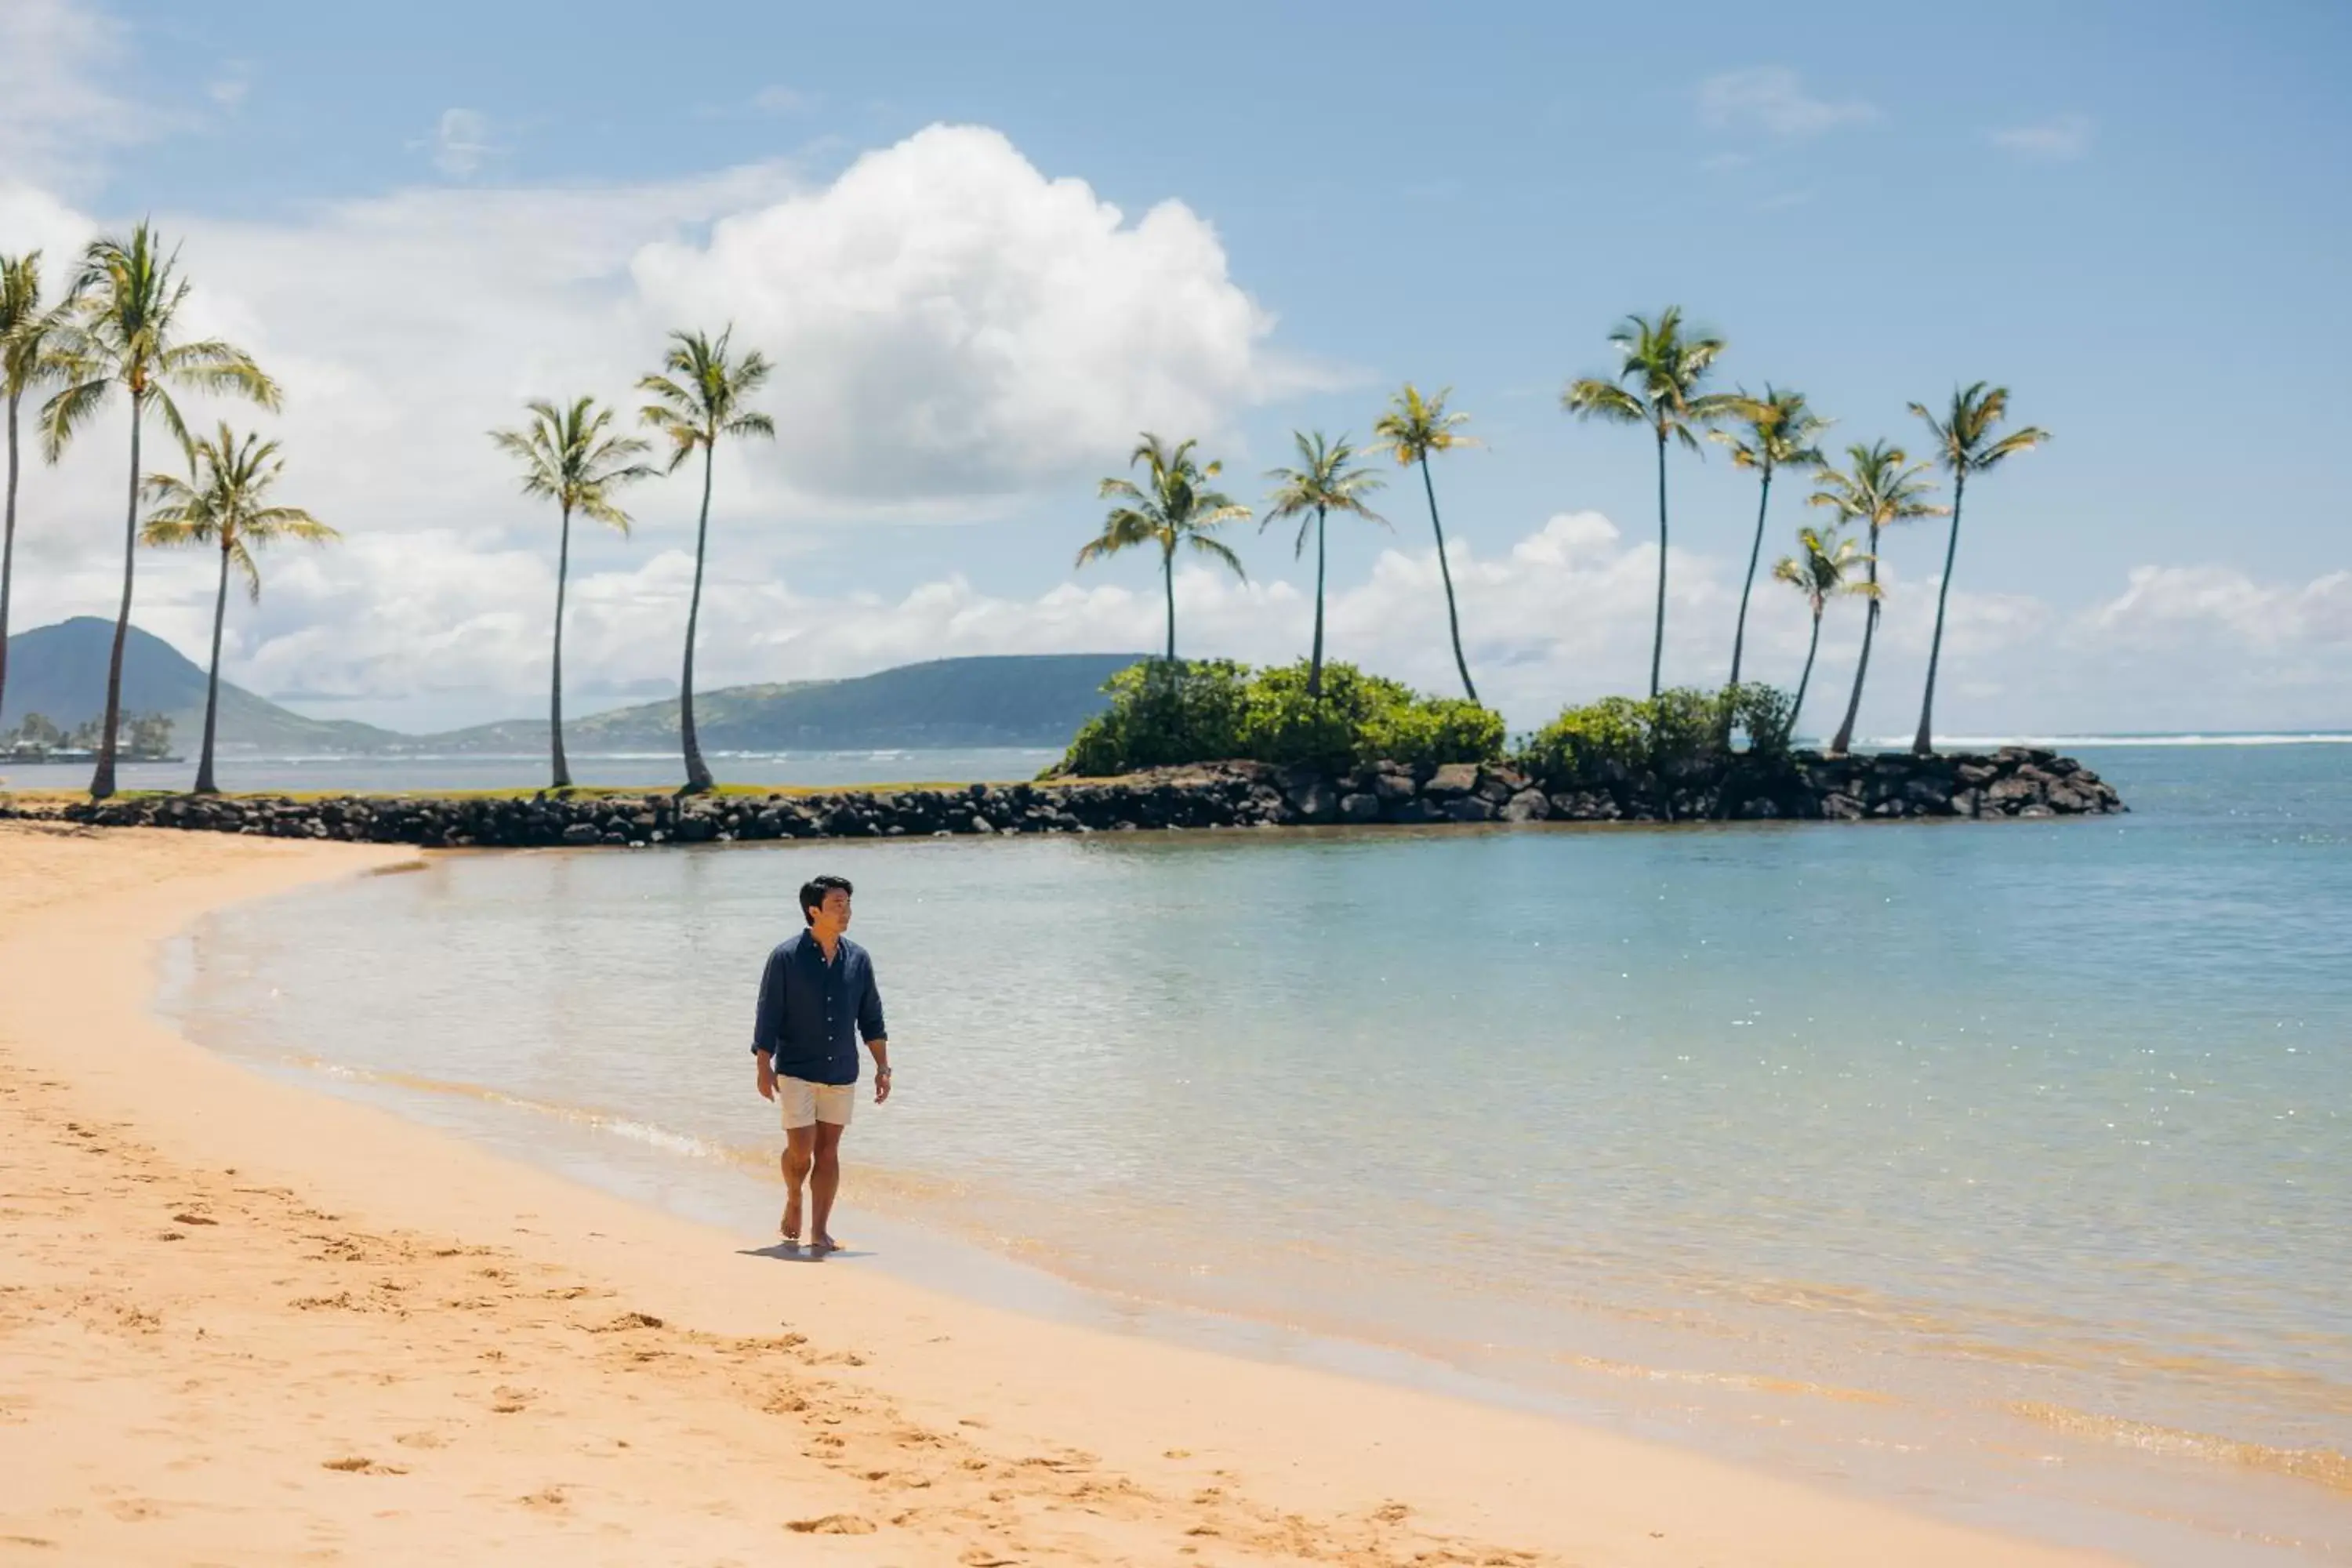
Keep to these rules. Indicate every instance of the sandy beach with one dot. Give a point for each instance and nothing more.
(243, 1323)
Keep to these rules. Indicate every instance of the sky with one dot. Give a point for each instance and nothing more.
(986, 249)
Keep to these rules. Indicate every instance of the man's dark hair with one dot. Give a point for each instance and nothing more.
(813, 890)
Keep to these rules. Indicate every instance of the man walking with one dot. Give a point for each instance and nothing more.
(816, 997)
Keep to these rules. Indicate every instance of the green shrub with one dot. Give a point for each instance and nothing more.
(1434, 730)
(1162, 713)
(1679, 726)
(1216, 711)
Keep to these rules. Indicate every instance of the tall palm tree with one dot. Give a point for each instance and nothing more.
(1413, 428)
(702, 395)
(1881, 487)
(1964, 446)
(1327, 479)
(120, 329)
(1777, 431)
(1659, 373)
(25, 363)
(570, 456)
(1176, 508)
(1820, 571)
(224, 502)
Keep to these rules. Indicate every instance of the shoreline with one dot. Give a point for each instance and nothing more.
(606, 1316)
(2014, 783)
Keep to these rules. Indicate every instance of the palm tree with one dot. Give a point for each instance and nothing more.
(1882, 487)
(1819, 573)
(1178, 509)
(1659, 372)
(569, 456)
(1327, 479)
(222, 502)
(1780, 433)
(117, 329)
(25, 363)
(1964, 446)
(1413, 428)
(701, 398)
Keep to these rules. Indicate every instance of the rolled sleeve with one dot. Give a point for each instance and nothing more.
(869, 1008)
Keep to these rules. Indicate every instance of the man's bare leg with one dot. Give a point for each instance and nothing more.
(799, 1156)
(824, 1181)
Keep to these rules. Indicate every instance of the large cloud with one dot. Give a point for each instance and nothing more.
(947, 320)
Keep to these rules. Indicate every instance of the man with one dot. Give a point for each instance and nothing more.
(816, 997)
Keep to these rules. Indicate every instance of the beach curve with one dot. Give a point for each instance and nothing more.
(243, 1319)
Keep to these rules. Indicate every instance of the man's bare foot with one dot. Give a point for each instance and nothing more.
(790, 1227)
(822, 1243)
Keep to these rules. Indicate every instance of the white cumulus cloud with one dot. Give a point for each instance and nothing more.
(1773, 100)
(2060, 140)
(952, 320)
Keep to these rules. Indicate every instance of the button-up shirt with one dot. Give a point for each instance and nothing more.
(811, 1011)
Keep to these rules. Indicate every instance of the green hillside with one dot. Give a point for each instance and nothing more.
(1032, 699)
(1040, 700)
(60, 672)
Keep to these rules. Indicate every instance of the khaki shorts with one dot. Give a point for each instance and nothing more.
(805, 1103)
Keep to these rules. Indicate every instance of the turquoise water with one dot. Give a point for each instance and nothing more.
(2004, 1167)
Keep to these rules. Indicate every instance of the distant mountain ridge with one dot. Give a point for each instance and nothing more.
(1012, 700)
(60, 672)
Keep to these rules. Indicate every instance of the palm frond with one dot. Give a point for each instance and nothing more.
(1172, 507)
(1589, 398)
(1219, 550)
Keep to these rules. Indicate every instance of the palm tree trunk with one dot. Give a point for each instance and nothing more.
(558, 771)
(9, 549)
(1658, 636)
(1924, 743)
(1167, 580)
(1315, 664)
(1843, 740)
(1446, 574)
(102, 782)
(1748, 584)
(698, 776)
(1797, 708)
(205, 784)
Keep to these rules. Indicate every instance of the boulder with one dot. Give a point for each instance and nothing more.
(1453, 778)
(1315, 801)
(1360, 807)
(1469, 808)
(1527, 806)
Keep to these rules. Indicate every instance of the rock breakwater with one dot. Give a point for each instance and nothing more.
(2017, 782)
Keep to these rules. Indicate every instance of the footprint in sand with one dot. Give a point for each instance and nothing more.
(832, 1524)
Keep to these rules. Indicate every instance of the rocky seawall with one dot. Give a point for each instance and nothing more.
(2016, 781)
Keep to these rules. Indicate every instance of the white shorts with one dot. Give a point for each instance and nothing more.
(805, 1103)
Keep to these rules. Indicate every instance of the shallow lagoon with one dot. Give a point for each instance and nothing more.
(2001, 1166)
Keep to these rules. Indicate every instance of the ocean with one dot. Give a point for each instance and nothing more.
(2002, 1169)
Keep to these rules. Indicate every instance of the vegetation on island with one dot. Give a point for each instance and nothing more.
(1166, 712)
(139, 738)
(117, 329)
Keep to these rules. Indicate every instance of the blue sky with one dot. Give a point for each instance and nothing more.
(2127, 215)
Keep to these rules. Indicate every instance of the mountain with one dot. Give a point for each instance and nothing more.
(1032, 699)
(1012, 700)
(60, 672)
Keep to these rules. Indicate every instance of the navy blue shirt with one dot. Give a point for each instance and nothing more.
(811, 1012)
